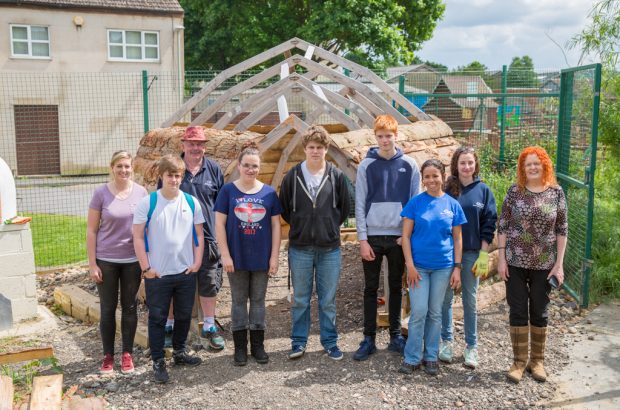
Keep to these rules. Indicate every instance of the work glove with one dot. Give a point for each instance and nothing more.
(481, 266)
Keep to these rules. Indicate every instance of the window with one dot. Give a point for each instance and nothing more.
(126, 45)
(30, 41)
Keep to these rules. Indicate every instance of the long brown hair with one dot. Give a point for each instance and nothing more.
(453, 184)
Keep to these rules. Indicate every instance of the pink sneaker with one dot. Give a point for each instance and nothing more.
(126, 363)
(108, 364)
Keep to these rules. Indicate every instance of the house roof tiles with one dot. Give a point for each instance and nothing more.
(157, 6)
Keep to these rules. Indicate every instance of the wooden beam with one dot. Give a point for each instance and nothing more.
(274, 136)
(46, 393)
(258, 113)
(343, 102)
(369, 75)
(301, 126)
(357, 86)
(363, 101)
(328, 108)
(226, 74)
(26, 355)
(343, 162)
(6, 393)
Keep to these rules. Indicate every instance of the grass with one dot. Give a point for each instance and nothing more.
(58, 239)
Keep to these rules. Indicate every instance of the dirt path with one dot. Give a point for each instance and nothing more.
(314, 381)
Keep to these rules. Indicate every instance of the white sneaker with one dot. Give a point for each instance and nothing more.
(471, 357)
(445, 351)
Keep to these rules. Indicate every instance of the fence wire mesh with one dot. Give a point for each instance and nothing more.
(59, 130)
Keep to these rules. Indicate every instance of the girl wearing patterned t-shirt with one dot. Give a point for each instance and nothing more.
(533, 230)
(247, 227)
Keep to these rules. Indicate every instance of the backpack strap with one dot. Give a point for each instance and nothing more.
(192, 205)
(152, 205)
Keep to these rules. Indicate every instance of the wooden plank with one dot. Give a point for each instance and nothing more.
(342, 162)
(225, 75)
(363, 101)
(26, 355)
(256, 115)
(274, 136)
(301, 127)
(6, 393)
(369, 75)
(46, 393)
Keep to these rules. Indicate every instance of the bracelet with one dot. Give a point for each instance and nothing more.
(146, 270)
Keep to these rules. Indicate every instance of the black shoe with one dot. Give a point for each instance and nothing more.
(431, 368)
(240, 338)
(407, 368)
(257, 347)
(181, 357)
(159, 371)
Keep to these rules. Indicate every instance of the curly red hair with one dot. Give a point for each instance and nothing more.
(548, 177)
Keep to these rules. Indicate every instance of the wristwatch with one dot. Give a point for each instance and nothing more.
(458, 265)
(146, 270)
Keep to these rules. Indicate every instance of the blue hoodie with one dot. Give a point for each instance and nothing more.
(382, 188)
(478, 203)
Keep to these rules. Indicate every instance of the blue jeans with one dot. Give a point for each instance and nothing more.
(469, 284)
(306, 264)
(425, 320)
(179, 288)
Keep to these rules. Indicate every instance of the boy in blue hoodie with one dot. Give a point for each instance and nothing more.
(386, 180)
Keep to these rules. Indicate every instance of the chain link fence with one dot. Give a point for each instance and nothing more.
(59, 130)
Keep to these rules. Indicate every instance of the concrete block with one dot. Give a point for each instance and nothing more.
(13, 287)
(26, 236)
(25, 308)
(11, 242)
(16, 264)
(30, 286)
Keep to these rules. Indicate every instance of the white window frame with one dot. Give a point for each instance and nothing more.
(30, 41)
(142, 44)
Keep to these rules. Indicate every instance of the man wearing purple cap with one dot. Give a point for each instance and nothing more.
(203, 179)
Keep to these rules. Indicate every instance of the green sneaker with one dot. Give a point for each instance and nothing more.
(214, 339)
(471, 357)
(445, 351)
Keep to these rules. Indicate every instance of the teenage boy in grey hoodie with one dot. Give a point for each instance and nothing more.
(386, 180)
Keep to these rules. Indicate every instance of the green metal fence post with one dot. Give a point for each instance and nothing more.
(502, 120)
(401, 91)
(145, 100)
(585, 289)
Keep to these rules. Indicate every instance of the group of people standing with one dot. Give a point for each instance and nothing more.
(180, 237)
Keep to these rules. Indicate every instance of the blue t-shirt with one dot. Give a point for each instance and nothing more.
(432, 245)
(248, 226)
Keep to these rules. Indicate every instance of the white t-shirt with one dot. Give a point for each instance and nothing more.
(171, 243)
(313, 181)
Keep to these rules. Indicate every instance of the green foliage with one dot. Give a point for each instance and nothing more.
(473, 68)
(437, 66)
(22, 376)
(601, 37)
(609, 116)
(521, 73)
(58, 239)
(221, 33)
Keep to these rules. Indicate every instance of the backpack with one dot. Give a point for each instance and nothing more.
(153, 204)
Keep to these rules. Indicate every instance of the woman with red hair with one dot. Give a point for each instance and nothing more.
(533, 230)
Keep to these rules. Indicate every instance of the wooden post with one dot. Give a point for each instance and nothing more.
(6, 393)
(46, 392)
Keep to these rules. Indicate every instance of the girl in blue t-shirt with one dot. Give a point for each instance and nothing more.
(432, 246)
(248, 230)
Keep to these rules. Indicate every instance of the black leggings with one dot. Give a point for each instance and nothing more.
(527, 294)
(129, 276)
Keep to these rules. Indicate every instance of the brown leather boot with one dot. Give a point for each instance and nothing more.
(519, 336)
(537, 355)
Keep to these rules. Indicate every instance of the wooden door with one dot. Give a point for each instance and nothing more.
(37, 139)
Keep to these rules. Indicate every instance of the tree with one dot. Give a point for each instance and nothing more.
(473, 68)
(521, 73)
(601, 38)
(221, 33)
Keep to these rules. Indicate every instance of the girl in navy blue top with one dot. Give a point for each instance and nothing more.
(478, 203)
(432, 246)
(248, 230)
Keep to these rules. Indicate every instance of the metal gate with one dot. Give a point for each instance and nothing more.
(575, 167)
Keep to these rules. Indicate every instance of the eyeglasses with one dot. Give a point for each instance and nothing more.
(250, 166)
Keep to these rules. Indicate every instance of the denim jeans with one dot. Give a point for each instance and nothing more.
(126, 278)
(469, 286)
(323, 266)
(246, 285)
(383, 246)
(179, 288)
(425, 320)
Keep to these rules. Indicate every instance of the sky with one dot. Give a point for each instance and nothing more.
(495, 31)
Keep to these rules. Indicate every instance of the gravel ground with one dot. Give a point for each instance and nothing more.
(314, 381)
